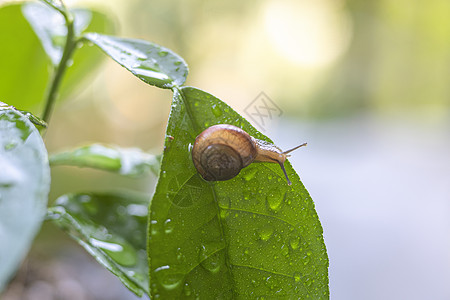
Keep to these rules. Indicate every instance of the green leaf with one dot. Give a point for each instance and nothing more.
(248, 237)
(50, 26)
(112, 228)
(125, 161)
(24, 187)
(149, 62)
(38, 122)
(56, 4)
(24, 71)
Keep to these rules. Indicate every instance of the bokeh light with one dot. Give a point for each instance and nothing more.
(312, 34)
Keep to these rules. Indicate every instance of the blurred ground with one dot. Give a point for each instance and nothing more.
(57, 268)
(381, 189)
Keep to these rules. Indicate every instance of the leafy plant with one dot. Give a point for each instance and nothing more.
(249, 237)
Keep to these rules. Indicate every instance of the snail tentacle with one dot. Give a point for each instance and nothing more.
(221, 151)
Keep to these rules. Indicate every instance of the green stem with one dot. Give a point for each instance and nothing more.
(61, 68)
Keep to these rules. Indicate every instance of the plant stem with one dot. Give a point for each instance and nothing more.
(61, 68)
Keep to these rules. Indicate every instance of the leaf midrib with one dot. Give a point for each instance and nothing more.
(221, 226)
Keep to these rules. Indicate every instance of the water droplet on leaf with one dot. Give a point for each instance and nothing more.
(294, 242)
(180, 256)
(275, 200)
(121, 252)
(163, 53)
(223, 213)
(150, 71)
(187, 289)
(297, 276)
(168, 226)
(249, 174)
(216, 110)
(265, 232)
(306, 260)
(169, 279)
(154, 227)
(212, 257)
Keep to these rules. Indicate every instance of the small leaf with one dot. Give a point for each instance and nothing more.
(149, 62)
(24, 187)
(50, 27)
(112, 228)
(38, 122)
(125, 161)
(248, 237)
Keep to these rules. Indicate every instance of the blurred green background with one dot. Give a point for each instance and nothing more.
(342, 72)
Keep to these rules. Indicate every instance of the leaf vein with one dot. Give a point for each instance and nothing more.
(258, 213)
(264, 270)
(272, 272)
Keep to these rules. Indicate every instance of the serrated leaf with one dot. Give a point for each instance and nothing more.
(50, 26)
(248, 237)
(125, 161)
(24, 187)
(152, 63)
(112, 228)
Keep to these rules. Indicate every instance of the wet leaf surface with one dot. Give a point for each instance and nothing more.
(125, 161)
(24, 187)
(152, 63)
(248, 237)
(112, 228)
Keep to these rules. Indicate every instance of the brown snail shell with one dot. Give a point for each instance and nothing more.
(221, 151)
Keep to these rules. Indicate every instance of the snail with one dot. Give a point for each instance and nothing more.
(221, 151)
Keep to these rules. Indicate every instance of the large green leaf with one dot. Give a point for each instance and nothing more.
(112, 228)
(125, 161)
(24, 68)
(152, 63)
(248, 237)
(24, 187)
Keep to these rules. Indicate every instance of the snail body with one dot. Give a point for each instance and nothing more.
(221, 151)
